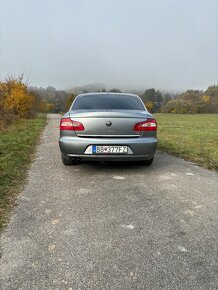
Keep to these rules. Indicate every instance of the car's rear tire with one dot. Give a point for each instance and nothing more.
(69, 161)
(147, 162)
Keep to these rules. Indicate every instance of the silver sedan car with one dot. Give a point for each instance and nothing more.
(107, 127)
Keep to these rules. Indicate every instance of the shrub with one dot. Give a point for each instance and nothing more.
(15, 101)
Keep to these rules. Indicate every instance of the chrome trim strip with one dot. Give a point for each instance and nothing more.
(108, 136)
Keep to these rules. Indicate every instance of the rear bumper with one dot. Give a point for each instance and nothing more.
(141, 148)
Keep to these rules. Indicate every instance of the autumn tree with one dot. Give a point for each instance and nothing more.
(153, 96)
(46, 107)
(149, 105)
(52, 96)
(16, 98)
(69, 101)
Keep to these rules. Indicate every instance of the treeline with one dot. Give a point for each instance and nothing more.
(19, 100)
(189, 102)
(193, 102)
(50, 100)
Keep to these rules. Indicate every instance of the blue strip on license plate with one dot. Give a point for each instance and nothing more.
(94, 149)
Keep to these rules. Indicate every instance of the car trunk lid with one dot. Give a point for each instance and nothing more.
(109, 123)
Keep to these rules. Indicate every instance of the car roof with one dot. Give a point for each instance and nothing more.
(106, 94)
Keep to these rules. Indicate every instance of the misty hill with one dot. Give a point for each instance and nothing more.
(95, 87)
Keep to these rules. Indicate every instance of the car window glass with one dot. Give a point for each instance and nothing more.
(107, 102)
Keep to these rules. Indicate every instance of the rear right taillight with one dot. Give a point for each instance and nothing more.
(68, 124)
(148, 125)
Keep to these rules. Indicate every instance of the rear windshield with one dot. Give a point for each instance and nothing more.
(108, 102)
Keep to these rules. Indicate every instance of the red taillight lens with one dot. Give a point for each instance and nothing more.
(148, 125)
(68, 124)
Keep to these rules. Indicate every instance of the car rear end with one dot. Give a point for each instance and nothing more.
(108, 126)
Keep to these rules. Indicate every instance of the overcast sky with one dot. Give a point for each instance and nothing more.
(165, 44)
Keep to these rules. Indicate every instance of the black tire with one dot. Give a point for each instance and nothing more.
(69, 161)
(147, 162)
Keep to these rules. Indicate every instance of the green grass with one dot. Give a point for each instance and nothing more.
(193, 137)
(17, 145)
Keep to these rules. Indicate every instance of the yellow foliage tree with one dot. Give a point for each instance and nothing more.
(3, 94)
(70, 99)
(205, 99)
(149, 105)
(17, 98)
(45, 107)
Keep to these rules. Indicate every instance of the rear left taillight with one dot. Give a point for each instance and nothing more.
(68, 124)
(148, 125)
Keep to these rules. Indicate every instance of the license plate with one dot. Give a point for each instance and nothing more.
(109, 149)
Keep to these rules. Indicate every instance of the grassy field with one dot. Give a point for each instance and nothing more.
(193, 137)
(17, 145)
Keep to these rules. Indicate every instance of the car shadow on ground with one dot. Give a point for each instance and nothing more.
(159, 163)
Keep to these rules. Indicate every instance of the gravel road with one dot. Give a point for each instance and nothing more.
(112, 226)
